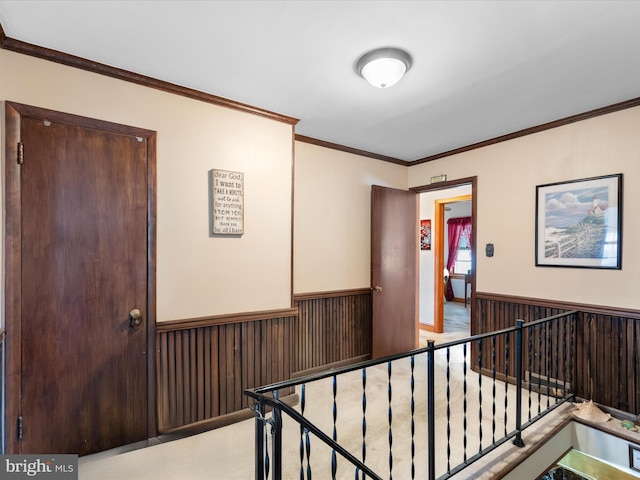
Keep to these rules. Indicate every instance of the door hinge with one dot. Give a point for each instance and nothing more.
(20, 153)
(19, 427)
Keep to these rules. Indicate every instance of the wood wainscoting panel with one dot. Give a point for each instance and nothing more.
(492, 315)
(205, 364)
(333, 328)
(605, 359)
(202, 371)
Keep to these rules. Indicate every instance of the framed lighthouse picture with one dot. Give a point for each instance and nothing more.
(579, 223)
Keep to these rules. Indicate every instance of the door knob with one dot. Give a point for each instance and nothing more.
(377, 288)
(135, 319)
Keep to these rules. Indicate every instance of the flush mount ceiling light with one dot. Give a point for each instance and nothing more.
(383, 67)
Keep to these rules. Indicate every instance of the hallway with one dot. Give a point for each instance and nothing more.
(228, 453)
(456, 325)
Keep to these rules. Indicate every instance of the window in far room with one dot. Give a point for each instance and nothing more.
(463, 257)
(459, 248)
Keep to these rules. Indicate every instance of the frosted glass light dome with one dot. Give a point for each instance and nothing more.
(384, 67)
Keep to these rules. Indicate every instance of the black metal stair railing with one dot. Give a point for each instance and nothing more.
(421, 414)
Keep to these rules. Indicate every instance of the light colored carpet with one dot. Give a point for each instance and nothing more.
(228, 453)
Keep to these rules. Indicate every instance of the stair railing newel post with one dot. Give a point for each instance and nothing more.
(517, 441)
(464, 402)
(413, 424)
(480, 396)
(276, 438)
(364, 419)
(572, 338)
(530, 333)
(259, 458)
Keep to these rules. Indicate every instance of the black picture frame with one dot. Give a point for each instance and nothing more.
(634, 457)
(579, 223)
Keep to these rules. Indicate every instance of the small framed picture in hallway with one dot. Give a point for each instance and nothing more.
(425, 234)
(578, 223)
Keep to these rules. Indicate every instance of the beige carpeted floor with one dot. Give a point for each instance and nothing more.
(228, 453)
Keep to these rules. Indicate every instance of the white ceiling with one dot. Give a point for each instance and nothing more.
(481, 69)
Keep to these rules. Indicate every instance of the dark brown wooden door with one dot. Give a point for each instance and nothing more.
(394, 270)
(83, 200)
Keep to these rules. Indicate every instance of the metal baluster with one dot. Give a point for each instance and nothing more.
(464, 401)
(571, 352)
(448, 410)
(493, 371)
(305, 440)
(506, 382)
(364, 418)
(308, 447)
(413, 424)
(267, 462)
(480, 394)
(539, 368)
(557, 355)
(564, 356)
(334, 460)
(529, 364)
(390, 421)
(302, 429)
(549, 362)
(431, 409)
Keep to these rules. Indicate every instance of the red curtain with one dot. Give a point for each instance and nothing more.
(458, 227)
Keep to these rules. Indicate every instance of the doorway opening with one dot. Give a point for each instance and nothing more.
(439, 318)
(454, 264)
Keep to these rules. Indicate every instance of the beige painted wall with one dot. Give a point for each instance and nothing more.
(333, 216)
(508, 173)
(196, 275)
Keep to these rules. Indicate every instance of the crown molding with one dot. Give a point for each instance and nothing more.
(634, 102)
(62, 58)
(343, 148)
(616, 107)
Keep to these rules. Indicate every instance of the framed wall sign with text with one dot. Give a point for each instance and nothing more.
(226, 202)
